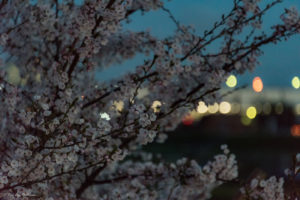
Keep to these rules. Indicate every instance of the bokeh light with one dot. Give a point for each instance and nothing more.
(212, 109)
(245, 121)
(296, 82)
(225, 107)
(156, 106)
(251, 112)
(119, 105)
(297, 109)
(202, 108)
(257, 84)
(231, 81)
(188, 120)
(38, 77)
(13, 74)
(295, 130)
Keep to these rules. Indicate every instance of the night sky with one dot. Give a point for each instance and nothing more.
(279, 64)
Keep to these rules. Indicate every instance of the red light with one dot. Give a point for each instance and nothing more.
(257, 84)
(188, 120)
(295, 130)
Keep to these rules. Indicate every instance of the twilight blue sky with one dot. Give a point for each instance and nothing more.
(278, 65)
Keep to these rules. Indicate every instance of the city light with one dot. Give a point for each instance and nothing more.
(156, 106)
(245, 121)
(296, 82)
(212, 109)
(231, 81)
(13, 73)
(119, 105)
(295, 130)
(188, 120)
(251, 112)
(257, 84)
(38, 77)
(297, 109)
(225, 107)
(202, 108)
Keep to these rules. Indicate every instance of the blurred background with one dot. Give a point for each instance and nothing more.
(260, 122)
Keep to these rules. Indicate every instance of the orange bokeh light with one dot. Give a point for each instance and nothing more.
(257, 84)
(295, 130)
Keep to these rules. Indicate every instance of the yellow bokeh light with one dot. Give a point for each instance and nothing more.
(119, 105)
(251, 112)
(246, 121)
(194, 113)
(202, 108)
(13, 73)
(213, 108)
(297, 109)
(225, 107)
(296, 82)
(38, 77)
(231, 81)
(156, 106)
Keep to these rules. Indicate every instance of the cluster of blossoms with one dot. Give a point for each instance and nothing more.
(62, 136)
(271, 188)
(145, 179)
(274, 188)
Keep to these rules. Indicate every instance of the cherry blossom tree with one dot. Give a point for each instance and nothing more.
(63, 135)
